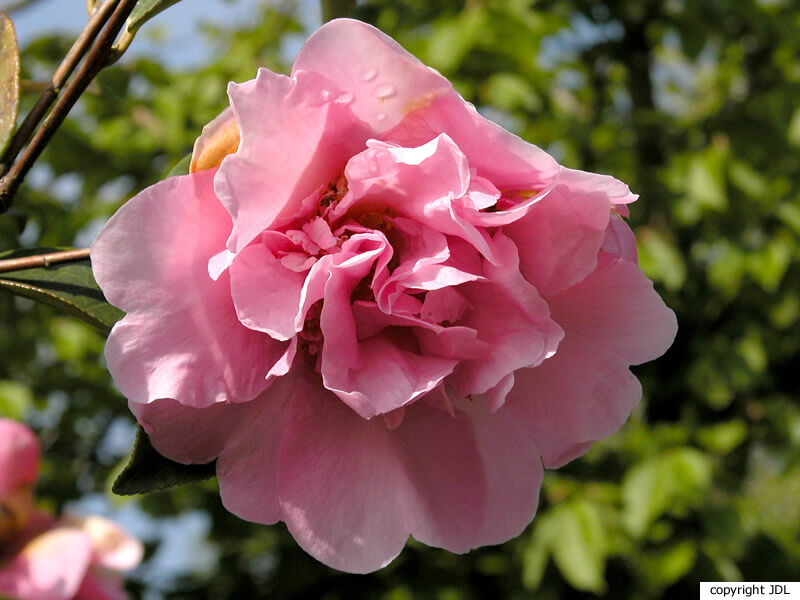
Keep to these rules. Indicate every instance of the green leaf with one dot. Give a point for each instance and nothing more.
(15, 399)
(706, 180)
(769, 264)
(579, 548)
(722, 438)
(450, 41)
(9, 80)
(69, 287)
(534, 559)
(750, 181)
(149, 471)
(510, 91)
(793, 131)
(144, 11)
(667, 565)
(660, 259)
(662, 483)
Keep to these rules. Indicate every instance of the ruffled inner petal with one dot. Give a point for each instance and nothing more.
(559, 238)
(511, 317)
(278, 164)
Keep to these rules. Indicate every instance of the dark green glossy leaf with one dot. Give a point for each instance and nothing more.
(146, 10)
(148, 471)
(69, 287)
(9, 80)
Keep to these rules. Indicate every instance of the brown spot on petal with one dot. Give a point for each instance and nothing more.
(223, 141)
(421, 102)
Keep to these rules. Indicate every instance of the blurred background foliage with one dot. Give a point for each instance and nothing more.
(693, 103)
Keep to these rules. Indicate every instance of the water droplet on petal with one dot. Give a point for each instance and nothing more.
(369, 74)
(379, 116)
(385, 91)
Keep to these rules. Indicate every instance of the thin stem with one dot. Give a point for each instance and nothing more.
(43, 260)
(62, 73)
(95, 61)
(332, 9)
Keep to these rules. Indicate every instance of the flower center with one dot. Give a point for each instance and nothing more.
(331, 196)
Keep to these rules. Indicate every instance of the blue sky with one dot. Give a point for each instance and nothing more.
(177, 26)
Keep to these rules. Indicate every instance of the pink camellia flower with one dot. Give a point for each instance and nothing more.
(76, 558)
(381, 313)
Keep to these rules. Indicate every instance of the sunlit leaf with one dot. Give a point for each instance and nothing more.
(15, 399)
(146, 10)
(769, 264)
(790, 215)
(752, 349)
(660, 259)
(793, 131)
(666, 566)
(723, 437)
(706, 180)
(579, 548)
(450, 41)
(148, 471)
(725, 267)
(747, 179)
(9, 80)
(74, 341)
(534, 559)
(509, 91)
(69, 287)
(664, 482)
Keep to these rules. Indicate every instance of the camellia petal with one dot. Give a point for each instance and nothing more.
(509, 162)
(381, 313)
(423, 478)
(420, 183)
(195, 360)
(113, 548)
(19, 457)
(219, 138)
(560, 236)
(50, 567)
(266, 293)
(384, 81)
(512, 485)
(611, 320)
(390, 87)
(278, 164)
(101, 586)
(511, 317)
(187, 434)
(44, 558)
(619, 239)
